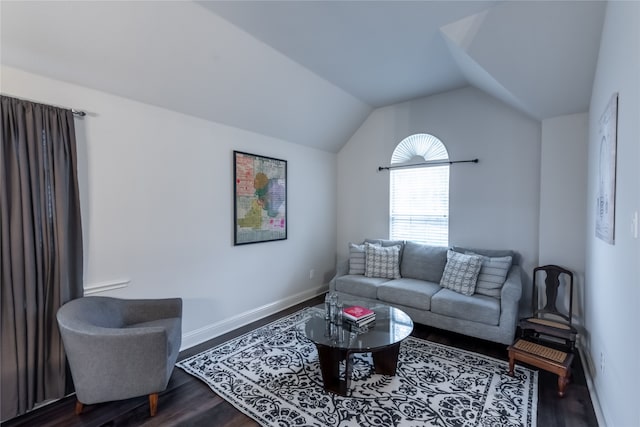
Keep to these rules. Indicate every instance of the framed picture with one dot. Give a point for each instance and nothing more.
(606, 185)
(260, 198)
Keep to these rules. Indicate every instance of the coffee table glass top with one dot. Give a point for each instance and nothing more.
(391, 326)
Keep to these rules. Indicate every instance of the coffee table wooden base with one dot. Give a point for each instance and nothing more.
(337, 344)
(385, 362)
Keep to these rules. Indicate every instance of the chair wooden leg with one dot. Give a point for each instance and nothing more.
(153, 403)
(512, 363)
(79, 406)
(563, 381)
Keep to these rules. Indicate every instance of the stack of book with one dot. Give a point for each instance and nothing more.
(358, 316)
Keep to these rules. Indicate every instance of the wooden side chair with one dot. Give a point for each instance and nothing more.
(548, 327)
(549, 322)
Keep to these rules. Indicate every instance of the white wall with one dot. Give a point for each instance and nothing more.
(157, 207)
(563, 193)
(493, 204)
(612, 277)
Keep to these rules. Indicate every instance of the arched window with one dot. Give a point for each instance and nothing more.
(419, 195)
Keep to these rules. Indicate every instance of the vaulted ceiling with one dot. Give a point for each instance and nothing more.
(310, 71)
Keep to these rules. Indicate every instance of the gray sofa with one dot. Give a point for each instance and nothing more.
(490, 313)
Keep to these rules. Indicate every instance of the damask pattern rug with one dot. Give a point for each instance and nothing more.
(272, 374)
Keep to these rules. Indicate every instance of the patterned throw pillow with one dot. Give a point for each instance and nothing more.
(461, 272)
(493, 274)
(382, 262)
(356, 259)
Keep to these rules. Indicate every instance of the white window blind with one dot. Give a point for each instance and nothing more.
(419, 196)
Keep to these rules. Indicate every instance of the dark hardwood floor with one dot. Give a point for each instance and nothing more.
(189, 402)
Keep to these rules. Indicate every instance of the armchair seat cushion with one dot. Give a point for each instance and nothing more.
(173, 327)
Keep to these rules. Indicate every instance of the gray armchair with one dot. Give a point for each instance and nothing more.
(118, 349)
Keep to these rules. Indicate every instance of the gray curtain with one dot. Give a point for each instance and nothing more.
(40, 252)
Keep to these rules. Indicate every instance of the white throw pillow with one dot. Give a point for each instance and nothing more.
(356, 259)
(382, 262)
(461, 272)
(493, 274)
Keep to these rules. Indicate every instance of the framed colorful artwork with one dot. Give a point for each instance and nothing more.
(260, 198)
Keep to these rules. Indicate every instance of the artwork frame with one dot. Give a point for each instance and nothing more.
(259, 198)
(606, 184)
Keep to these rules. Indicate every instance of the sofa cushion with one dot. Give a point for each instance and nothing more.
(475, 308)
(424, 262)
(408, 292)
(461, 272)
(359, 285)
(515, 259)
(382, 261)
(492, 275)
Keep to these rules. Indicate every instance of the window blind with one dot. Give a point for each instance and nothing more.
(419, 208)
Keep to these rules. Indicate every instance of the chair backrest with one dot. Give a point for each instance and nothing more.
(102, 312)
(548, 293)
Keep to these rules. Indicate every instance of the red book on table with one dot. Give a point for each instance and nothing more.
(356, 312)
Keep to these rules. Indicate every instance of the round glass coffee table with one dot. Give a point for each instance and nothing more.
(338, 343)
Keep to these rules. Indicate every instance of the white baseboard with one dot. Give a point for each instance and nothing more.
(587, 367)
(208, 332)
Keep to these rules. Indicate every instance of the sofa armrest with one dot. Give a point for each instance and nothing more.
(510, 297)
(342, 269)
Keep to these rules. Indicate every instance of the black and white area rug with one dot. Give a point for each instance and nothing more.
(272, 374)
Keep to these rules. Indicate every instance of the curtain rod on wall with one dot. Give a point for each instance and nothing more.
(431, 163)
(75, 112)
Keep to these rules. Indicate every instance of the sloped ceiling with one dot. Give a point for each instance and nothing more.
(310, 71)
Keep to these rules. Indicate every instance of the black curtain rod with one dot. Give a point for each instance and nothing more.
(431, 163)
(77, 113)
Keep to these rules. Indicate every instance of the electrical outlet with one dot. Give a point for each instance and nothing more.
(312, 273)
